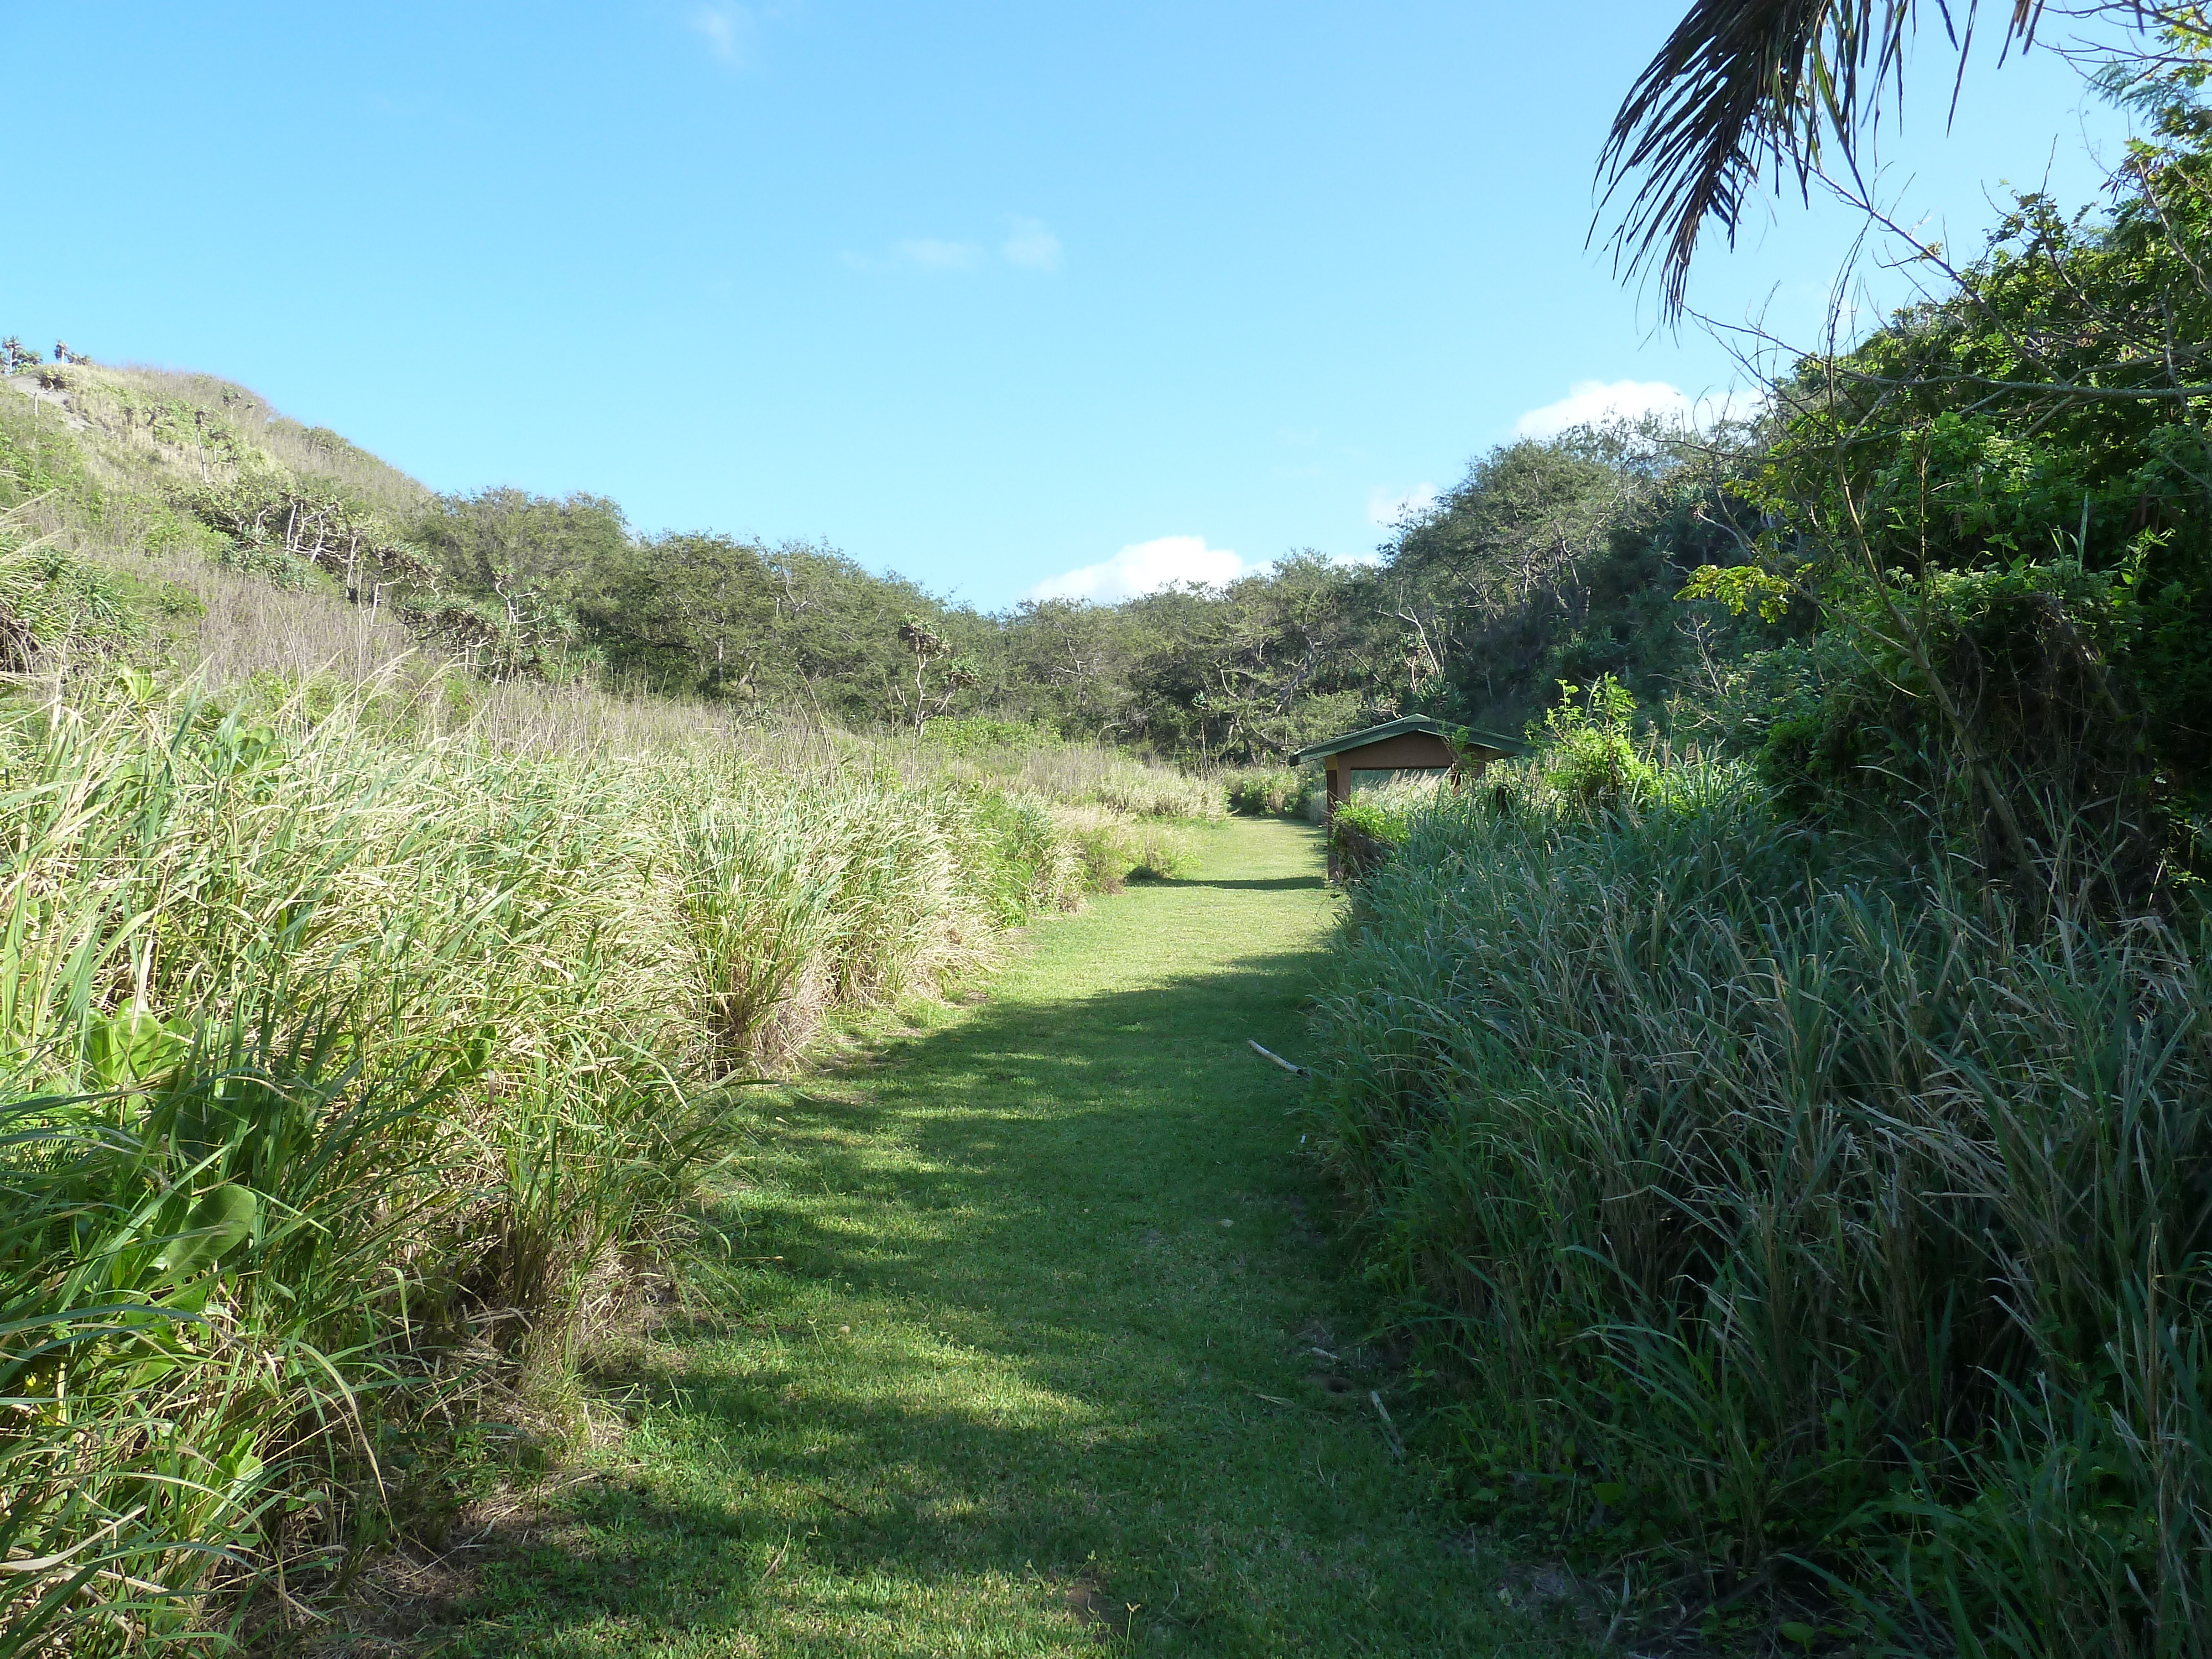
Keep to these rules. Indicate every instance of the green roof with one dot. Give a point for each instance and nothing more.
(1467, 737)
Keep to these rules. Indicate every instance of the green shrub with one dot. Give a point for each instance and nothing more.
(1261, 792)
(1377, 819)
(1385, 813)
(1586, 750)
(268, 562)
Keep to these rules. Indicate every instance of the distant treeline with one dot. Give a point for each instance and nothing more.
(1554, 559)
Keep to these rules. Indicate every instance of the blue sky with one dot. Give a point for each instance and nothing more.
(996, 297)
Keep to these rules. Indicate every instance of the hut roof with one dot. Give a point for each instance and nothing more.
(1463, 737)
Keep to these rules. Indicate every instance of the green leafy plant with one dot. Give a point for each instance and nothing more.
(1587, 749)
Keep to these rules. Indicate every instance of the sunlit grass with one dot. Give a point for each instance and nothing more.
(991, 1369)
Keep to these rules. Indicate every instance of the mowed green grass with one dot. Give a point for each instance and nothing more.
(1054, 1356)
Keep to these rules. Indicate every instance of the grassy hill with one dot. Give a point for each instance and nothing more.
(105, 476)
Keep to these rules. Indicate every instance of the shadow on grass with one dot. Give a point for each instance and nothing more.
(1028, 1134)
(1266, 884)
(1035, 1304)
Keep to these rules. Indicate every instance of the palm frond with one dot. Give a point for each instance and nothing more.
(1744, 86)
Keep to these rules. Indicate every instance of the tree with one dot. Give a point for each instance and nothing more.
(953, 674)
(1066, 662)
(1557, 559)
(524, 561)
(692, 613)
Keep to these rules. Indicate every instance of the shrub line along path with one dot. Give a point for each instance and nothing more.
(1040, 1348)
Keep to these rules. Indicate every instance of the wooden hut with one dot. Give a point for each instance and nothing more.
(1415, 746)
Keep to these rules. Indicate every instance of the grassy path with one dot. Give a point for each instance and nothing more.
(1035, 1369)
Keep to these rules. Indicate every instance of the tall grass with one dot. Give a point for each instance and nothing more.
(1021, 758)
(240, 626)
(120, 449)
(1792, 1219)
(348, 1075)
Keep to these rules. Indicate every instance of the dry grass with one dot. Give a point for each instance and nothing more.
(102, 395)
(1072, 772)
(247, 627)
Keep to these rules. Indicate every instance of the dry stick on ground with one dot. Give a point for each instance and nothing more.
(1269, 1054)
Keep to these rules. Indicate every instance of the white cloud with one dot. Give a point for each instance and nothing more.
(1386, 509)
(1591, 402)
(1144, 567)
(932, 254)
(1030, 245)
(728, 30)
(1595, 403)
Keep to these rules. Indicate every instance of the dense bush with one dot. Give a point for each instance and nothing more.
(1373, 819)
(1265, 791)
(1385, 813)
(1783, 1215)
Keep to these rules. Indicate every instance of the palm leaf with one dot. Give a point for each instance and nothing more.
(1744, 86)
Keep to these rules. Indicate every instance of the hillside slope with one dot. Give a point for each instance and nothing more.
(109, 479)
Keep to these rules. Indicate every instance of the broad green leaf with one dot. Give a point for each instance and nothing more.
(222, 1220)
(130, 1049)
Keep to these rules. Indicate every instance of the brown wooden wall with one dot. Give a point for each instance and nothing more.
(1407, 749)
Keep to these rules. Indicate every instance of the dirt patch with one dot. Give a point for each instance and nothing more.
(410, 1599)
(1089, 1602)
(33, 387)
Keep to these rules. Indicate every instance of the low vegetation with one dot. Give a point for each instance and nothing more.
(1267, 791)
(1027, 1363)
(1384, 813)
(1781, 1207)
